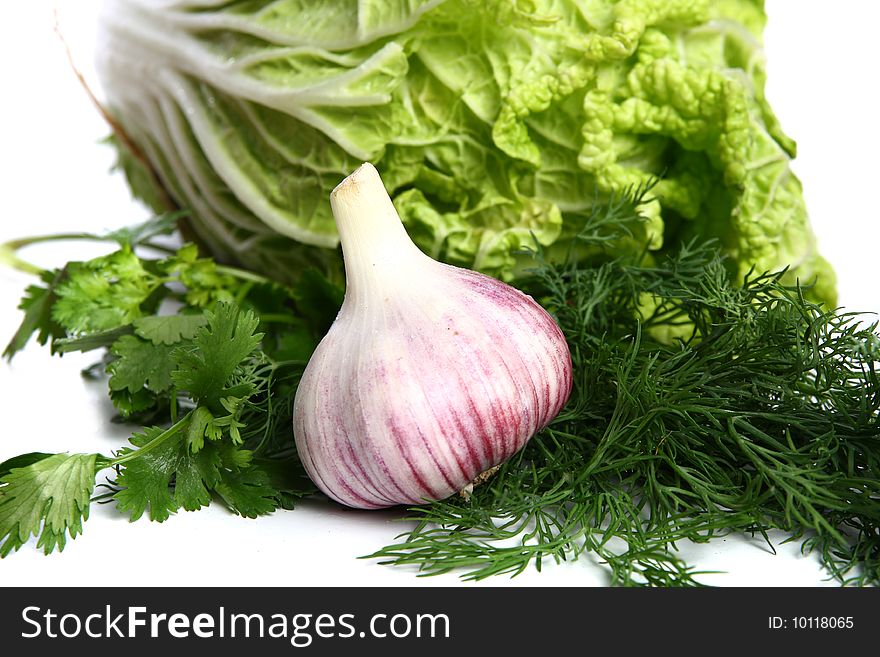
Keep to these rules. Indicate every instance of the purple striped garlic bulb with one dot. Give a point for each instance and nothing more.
(430, 374)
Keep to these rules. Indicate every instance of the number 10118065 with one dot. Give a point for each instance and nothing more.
(811, 623)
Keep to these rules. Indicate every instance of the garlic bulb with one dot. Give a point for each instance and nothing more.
(430, 374)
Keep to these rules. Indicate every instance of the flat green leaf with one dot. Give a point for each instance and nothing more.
(48, 498)
(21, 461)
(167, 477)
(296, 344)
(140, 364)
(204, 284)
(130, 403)
(288, 477)
(318, 300)
(37, 306)
(169, 329)
(199, 420)
(105, 293)
(196, 474)
(145, 482)
(205, 366)
(162, 224)
(247, 492)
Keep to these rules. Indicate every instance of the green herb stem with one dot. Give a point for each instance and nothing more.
(242, 274)
(10, 258)
(154, 444)
(9, 250)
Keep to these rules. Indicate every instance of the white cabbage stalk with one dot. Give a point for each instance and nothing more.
(430, 374)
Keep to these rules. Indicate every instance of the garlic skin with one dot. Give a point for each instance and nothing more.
(430, 375)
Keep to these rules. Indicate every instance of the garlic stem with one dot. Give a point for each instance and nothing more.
(374, 241)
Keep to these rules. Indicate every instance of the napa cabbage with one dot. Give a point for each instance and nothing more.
(494, 123)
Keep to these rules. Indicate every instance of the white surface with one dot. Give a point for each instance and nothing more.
(54, 177)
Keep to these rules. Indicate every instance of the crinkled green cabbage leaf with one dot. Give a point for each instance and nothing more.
(492, 122)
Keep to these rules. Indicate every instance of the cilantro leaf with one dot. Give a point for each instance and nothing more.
(199, 421)
(130, 403)
(162, 224)
(205, 366)
(210, 352)
(288, 477)
(169, 329)
(234, 457)
(105, 293)
(145, 481)
(21, 461)
(196, 473)
(37, 306)
(318, 300)
(204, 424)
(247, 492)
(167, 476)
(140, 364)
(48, 498)
(200, 277)
(296, 343)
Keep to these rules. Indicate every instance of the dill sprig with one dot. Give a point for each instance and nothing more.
(702, 405)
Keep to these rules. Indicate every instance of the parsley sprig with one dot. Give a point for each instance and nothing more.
(207, 357)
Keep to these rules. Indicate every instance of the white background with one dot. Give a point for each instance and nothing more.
(54, 176)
